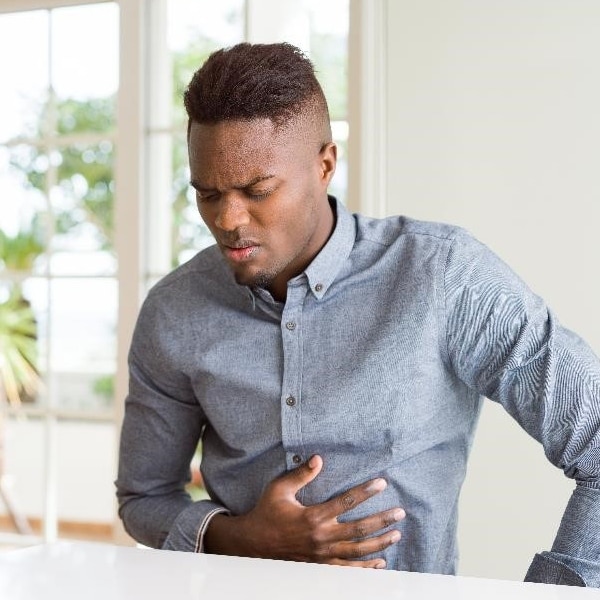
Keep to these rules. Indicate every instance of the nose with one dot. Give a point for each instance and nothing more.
(232, 213)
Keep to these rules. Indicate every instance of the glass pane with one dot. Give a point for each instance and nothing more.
(190, 234)
(329, 26)
(20, 376)
(23, 230)
(23, 72)
(23, 469)
(339, 183)
(197, 28)
(84, 52)
(34, 292)
(83, 342)
(85, 475)
(83, 210)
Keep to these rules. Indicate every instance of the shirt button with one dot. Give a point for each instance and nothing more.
(318, 287)
(297, 459)
(291, 325)
(290, 401)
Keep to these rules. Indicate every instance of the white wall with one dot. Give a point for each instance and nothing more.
(493, 124)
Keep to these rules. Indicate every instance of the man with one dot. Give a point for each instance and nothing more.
(333, 365)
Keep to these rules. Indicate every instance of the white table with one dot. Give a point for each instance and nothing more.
(90, 571)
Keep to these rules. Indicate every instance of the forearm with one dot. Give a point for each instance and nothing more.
(575, 555)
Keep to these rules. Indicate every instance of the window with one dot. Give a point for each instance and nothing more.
(57, 131)
(70, 216)
(195, 29)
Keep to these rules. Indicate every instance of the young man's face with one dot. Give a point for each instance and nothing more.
(262, 192)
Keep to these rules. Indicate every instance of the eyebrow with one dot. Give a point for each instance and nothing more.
(250, 183)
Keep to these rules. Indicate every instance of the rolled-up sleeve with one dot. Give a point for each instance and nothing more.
(505, 342)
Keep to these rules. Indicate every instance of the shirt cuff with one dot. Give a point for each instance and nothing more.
(547, 568)
(575, 555)
(187, 532)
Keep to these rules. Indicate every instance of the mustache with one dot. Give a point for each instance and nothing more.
(236, 241)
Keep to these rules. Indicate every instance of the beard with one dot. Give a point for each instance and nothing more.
(261, 279)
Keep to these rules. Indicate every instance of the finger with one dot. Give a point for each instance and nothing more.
(361, 528)
(375, 563)
(358, 549)
(292, 482)
(354, 496)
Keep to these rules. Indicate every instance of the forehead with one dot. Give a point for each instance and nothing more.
(231, 152)
(233, 141)
(229, 136)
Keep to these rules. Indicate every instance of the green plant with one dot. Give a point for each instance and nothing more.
(18, 252)
(18, 376)
(18, 348)
(104, 387)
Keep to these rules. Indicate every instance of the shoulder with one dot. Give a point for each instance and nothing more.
(190, 289)
(192, 277)
(391, 230)
(183, 300)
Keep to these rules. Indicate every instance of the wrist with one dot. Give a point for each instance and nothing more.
(225, 535)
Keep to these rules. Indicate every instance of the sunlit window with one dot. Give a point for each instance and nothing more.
(57, 258)
(59, 265)
(194, 30)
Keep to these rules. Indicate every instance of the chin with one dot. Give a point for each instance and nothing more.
(262, 280)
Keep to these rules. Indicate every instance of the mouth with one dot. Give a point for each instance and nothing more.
(239, 253)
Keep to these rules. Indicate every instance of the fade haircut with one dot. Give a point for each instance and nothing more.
(253, 81)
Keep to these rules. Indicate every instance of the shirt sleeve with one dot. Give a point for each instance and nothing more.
(503, 341)
(161, 429)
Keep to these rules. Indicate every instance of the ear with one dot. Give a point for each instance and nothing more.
(327, 162)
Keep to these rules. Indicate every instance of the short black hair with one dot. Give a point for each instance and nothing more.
(252, 81)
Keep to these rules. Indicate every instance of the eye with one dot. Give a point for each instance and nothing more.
(206, 196)
(257, 194)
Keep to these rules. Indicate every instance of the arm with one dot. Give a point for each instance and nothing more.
(504, 341)
(162, 425)
(159, 435)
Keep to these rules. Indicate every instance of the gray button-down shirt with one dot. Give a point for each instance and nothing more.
(378, 361)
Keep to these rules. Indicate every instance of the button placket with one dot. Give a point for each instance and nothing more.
(291, 429)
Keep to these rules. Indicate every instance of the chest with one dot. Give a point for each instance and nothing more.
(344, 374)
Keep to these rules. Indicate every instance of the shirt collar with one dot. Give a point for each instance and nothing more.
(324, 268)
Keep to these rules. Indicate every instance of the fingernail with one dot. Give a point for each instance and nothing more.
(380, 565)
(377, 485)
(394, 536)
(399, 514)
(312, 461)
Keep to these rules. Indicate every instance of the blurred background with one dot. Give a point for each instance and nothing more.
(474, 112)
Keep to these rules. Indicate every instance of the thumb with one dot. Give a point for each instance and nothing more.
(295, 480)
